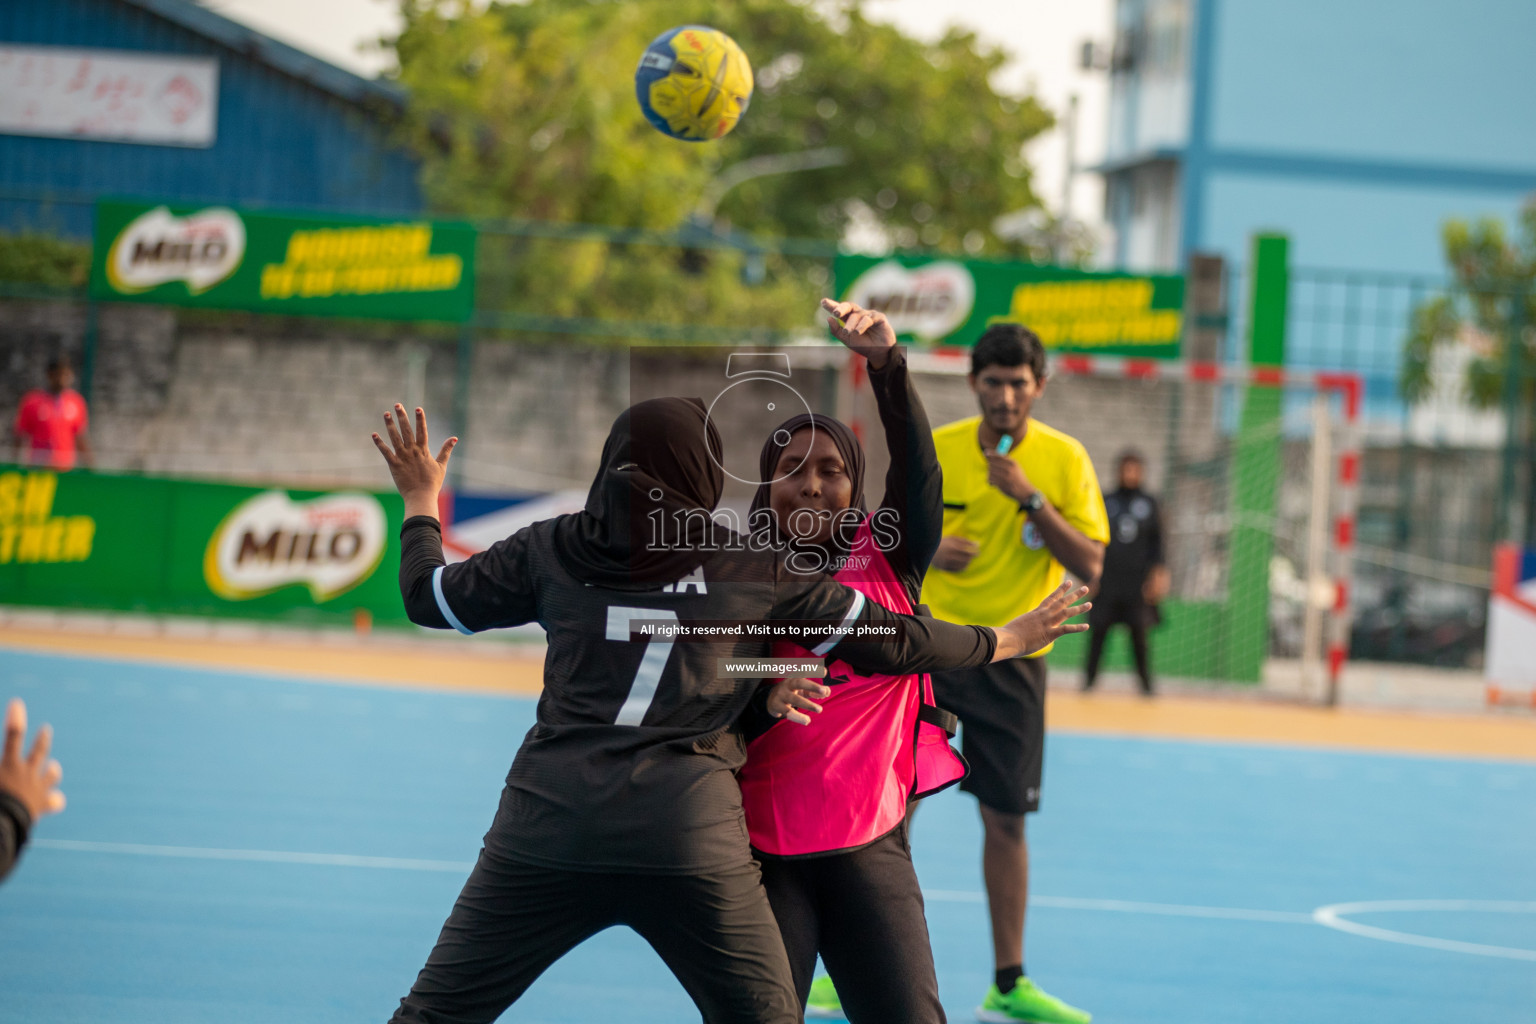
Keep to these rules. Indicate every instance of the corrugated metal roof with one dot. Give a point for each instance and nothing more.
(293, 132)
(279, 56)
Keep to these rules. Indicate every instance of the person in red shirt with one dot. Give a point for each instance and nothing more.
(50, 425)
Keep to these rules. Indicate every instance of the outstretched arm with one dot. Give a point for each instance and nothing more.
(931, 643)
(914, 484)
(491, 588)
(28, 784)
(874, 639)
(1047, 623)
(794, 699)
(417, 474)
(419, 479)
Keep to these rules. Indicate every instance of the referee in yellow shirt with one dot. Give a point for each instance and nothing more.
(1022, 509)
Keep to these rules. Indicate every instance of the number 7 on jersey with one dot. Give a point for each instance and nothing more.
(657, 650)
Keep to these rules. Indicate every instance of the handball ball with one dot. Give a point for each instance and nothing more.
(693, 83)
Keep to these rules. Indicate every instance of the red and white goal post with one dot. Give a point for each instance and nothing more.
(1259, 495)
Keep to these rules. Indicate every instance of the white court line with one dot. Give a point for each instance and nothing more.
(340, 860)
(347, 860)
(1132, 907)
(1333, 916)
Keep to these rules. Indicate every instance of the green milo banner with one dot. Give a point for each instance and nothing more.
(222, 258)
(87, 540)
(949, 302)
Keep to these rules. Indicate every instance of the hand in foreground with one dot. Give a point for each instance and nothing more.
(865, 331)
(417, 474)
(1033, 630)
(787, 695)
(954, 554)
(33, 779)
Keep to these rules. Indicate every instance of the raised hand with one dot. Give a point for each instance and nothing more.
(1048, 622)
(418, 475)
(34, 778)
(865, 331)
(788, 695)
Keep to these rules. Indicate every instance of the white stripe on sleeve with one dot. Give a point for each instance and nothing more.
(845, 628)
(442, 602)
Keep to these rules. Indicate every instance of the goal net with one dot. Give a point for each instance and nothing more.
(1255, 470)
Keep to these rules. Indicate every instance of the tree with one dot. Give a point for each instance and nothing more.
(1492, 306)
(38, 259)
(1492, 274)
(527, 110)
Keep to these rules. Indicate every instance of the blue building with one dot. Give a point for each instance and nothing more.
(1355, 126)
(165, 99)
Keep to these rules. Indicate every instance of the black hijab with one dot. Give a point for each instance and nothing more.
(848, 447)
(663, 454)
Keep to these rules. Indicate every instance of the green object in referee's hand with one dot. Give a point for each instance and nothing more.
(1005, 445)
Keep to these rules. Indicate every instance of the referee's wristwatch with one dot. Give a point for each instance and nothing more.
(1034, 503)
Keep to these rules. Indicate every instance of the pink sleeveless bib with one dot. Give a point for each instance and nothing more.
(844, 780)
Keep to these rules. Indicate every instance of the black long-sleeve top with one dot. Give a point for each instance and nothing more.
(15, 824)
(914, 483)
(629, 767)
(1135, 543)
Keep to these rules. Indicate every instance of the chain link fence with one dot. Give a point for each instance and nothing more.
(533, 382)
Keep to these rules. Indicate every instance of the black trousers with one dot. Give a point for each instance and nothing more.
(1106, 613)
(863, 912)
(512, 920)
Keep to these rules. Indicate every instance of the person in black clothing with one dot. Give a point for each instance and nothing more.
(1134, 578)
(29, 785)
(621, 806)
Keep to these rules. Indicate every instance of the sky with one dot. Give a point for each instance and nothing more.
(1042, 38)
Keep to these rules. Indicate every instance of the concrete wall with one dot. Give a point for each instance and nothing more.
(293, 402)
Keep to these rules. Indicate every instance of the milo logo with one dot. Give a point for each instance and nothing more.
(927, 302)
(331, 544)
(157, 247)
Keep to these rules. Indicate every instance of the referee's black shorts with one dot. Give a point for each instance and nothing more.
(1001, 707)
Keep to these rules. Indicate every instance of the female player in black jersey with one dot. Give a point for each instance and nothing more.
(621, 806)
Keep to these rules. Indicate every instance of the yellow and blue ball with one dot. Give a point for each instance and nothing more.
(693, 83)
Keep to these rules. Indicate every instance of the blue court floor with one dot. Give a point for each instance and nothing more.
(245, 848)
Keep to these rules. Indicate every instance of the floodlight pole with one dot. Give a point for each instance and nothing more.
(1069, 130)
(761, 167)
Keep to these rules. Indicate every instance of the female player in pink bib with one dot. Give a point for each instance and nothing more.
(826, 799)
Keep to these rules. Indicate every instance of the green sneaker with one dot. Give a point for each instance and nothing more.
(823, 1001)
(1028, 1002)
